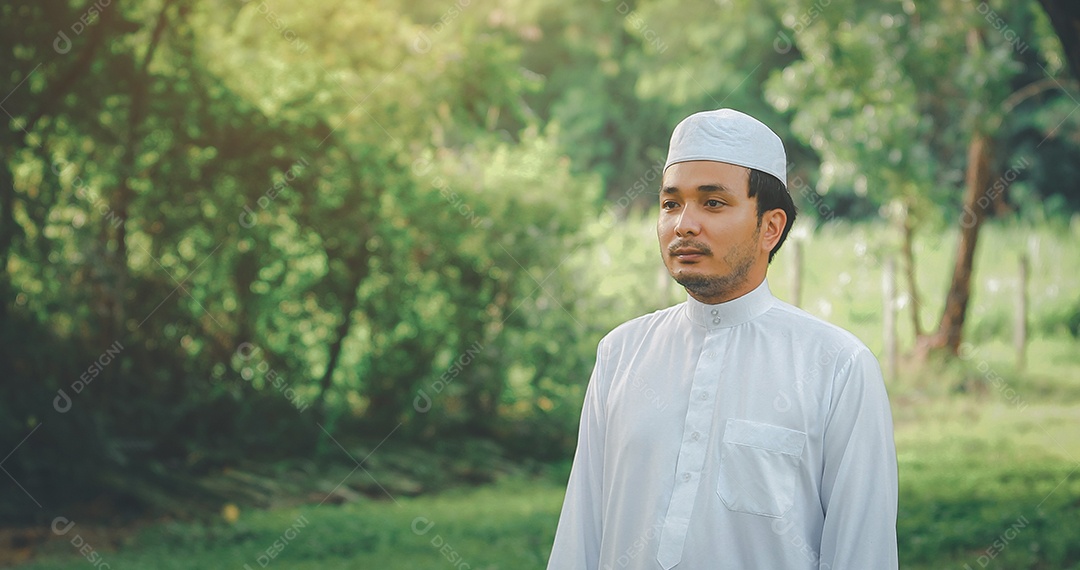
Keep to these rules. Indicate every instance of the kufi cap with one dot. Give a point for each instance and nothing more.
(726, 135)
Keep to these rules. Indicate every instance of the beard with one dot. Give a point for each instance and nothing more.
(740, 259)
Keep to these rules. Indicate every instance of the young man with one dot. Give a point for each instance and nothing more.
(732, 431)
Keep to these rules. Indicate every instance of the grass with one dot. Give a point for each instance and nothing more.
(506, 525)
(988, 454)
(982, 476)
(961, 498)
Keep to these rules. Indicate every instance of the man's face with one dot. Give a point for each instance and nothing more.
(710, 235)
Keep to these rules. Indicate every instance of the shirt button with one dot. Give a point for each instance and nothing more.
(716, 311)
(704, 396)
(716, 321)
(710, 354)
(685, 476)
(695, 436)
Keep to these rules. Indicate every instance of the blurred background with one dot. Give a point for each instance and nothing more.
(319, 285)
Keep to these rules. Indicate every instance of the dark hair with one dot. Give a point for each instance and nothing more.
(771, 195)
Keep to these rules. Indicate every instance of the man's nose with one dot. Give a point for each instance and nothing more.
(688, 223)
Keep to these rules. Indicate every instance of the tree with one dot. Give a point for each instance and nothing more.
(902, 111)
(231, 195)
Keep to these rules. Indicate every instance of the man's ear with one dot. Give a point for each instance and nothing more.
(772, 227)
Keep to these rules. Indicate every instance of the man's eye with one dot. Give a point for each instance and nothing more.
(668, 204)
(714, 203)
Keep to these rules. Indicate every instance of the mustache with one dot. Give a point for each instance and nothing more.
(689, 244)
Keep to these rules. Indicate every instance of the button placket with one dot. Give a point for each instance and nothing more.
(691, 460)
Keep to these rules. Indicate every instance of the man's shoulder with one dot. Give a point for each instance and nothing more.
(814, 330)
(637, 328)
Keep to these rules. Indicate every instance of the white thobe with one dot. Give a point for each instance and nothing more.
(744, 435)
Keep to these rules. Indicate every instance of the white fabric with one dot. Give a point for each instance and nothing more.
(726, 135)
(745, 435)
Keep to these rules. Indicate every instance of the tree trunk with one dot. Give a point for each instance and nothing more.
(349, 304)
(125, 195)
(7, 231)
(976, 203)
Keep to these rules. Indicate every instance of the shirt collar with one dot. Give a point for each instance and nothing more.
(732, 313)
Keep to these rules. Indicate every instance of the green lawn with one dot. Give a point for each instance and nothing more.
(508, 525)
(961, 498)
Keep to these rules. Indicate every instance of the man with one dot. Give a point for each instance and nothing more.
(732, 431)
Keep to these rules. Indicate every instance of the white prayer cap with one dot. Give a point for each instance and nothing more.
(726, 135)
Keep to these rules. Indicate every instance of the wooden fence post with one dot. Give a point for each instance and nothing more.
(1020, 328)
(888, 290)
(796, 272)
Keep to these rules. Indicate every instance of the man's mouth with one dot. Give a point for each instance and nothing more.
(687, 254)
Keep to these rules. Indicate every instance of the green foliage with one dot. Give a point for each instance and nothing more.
(869, 95)
(239, 198)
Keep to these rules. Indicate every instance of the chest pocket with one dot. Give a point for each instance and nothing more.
(758, 466)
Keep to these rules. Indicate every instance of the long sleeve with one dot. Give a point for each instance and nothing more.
(578, 537)
(859, 476)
